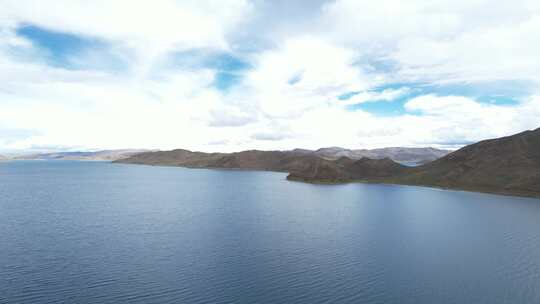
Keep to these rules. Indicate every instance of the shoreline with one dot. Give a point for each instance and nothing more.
(343, 182)
(470, 190)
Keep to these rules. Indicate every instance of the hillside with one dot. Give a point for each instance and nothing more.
(249, 160)
(345, 169)
(508, 165)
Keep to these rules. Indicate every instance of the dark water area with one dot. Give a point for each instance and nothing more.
(94, 232)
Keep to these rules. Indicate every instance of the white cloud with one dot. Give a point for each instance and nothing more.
(320, 70)
(148, 28)
(373, 96)
(495, 53)
(230, 117)
(443, 40)
(288, 97)
(163, 22)
(460, 119)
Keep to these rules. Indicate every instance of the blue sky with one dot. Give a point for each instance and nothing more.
(58, 47)
(228, 68)
(62, 49)
(266, 74)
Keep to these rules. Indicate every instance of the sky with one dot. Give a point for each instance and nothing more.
(213, 75)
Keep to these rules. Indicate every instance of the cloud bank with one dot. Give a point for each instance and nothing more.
(233, 75)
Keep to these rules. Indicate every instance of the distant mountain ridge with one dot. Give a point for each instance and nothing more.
(410, 156)
(508, 165)
(278, 160)
(104, 155)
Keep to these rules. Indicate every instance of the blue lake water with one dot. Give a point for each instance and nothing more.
(93, 232)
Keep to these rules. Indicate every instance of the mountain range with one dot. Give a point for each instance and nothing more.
(280, 160)
(104, 155)
(508, 165)
(407, 156)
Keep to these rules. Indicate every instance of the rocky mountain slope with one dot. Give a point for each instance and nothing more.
(345, 169)
(509, 165)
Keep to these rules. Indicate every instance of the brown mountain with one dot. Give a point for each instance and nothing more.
(508, 165)
(303, 166)
(284, 161)
(277, 160)
(345, 169)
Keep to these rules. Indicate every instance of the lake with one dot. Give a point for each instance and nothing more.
(96, 232)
